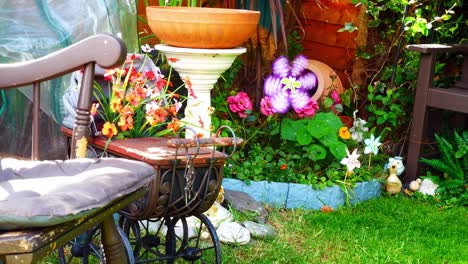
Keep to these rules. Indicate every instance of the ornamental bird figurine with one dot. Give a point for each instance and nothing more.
(393, 183)
(415, 185)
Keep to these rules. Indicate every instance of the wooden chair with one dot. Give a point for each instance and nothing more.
(453, 98)
(44, 204)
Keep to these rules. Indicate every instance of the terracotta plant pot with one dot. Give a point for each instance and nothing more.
(347, 121)
(325, 83)
(202, 27)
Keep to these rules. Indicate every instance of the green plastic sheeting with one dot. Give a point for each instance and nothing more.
(32, 29)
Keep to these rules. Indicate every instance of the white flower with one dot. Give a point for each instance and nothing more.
(146, 48)
(351, 161)
(358, 129)
(372, 145)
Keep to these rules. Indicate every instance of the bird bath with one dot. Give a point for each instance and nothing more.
(202, 68)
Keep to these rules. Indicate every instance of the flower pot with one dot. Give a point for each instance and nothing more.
(203, 28)
(347, 121)
(325, 75)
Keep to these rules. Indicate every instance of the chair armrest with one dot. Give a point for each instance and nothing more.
(105, 50)
(437, 48)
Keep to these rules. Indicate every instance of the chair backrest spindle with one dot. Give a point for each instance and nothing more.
(82, 121)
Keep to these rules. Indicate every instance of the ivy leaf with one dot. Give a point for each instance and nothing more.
(349, 27)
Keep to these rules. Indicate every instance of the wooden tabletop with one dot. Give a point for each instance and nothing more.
(153, 151)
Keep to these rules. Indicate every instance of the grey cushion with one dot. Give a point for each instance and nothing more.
(44, 193)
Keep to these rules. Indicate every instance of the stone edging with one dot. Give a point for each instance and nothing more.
(294, 195)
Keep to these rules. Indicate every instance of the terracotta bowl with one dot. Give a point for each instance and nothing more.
(325, 82)
(202, 27)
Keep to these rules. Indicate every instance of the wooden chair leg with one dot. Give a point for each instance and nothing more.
(114, 249)
(418, 125)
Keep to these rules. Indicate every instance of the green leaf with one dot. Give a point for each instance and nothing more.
(323, 124)
(338, 149)
(316, 152)
(328, 102)
(288, 130)
(303, 136)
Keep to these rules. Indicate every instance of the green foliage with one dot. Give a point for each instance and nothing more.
(386, 105)
(453, 163)
(322, 129)
(391, 25)
(294, 44)
(452, 166)
(349, 27)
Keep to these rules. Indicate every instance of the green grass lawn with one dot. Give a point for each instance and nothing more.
(384, 230)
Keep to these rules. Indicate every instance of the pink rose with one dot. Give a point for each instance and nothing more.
(336, 97)
(240, 103)
(266, 107)
(308, 110)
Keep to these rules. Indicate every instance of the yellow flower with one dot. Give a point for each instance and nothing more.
(116, 105)
(109, 130)
(344, 133)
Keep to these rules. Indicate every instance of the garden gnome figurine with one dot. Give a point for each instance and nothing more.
(393, 183)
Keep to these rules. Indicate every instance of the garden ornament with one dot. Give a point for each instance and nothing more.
(351, 161)
(399, 161)
(428, 187)
(393, 183)
(290, 86)
(415, 185)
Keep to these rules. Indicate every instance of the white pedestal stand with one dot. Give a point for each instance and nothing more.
(203, 68)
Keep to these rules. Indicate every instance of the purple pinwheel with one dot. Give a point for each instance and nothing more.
(291, 85)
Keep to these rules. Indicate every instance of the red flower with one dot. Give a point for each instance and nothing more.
(173, 60)
(283, 167)
(150, 75)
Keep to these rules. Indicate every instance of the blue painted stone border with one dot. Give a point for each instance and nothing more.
(294, 195)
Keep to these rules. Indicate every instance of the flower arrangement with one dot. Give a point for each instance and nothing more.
(140, 101)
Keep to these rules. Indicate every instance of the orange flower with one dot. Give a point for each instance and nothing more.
(283, 167)
(109, 130)
(125, 123)
(116, 105)
(126, 111)
(172, 109)
(156, 116)
(133, 98)
(173, 60)
(118, 92)
(174, 125)
(344, 133)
